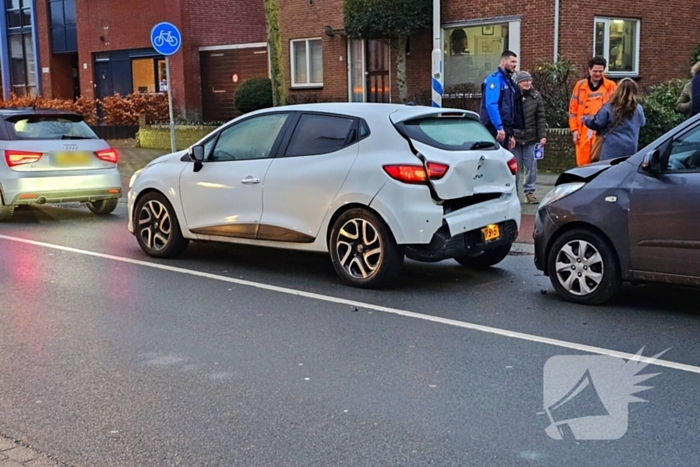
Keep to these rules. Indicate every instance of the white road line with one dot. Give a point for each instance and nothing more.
(369, 306)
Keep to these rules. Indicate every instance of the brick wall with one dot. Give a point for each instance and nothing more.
(127, 24)
(559, 153)
(301, 20)
(669, 33)
(668, 36)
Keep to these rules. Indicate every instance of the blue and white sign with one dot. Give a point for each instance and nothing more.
(165, 38)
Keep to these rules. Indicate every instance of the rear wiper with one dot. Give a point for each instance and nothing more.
(482, 145)
(75, 137)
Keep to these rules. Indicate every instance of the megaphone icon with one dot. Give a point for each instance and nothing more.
(582, 400)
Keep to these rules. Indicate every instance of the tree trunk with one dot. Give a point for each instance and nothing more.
(274, 44)
(401, 68)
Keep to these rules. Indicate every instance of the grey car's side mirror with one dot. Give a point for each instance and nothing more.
(197, 155)
(652, 163)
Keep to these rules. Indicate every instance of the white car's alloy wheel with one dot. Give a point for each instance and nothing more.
(154, 225)
(363, 250)
(157, 228)
(359, 248)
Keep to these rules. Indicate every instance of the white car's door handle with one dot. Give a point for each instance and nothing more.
(250, 180)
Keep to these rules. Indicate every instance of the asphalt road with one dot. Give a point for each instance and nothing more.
(246, 356)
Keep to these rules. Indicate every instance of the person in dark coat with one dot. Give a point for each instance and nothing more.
(695, 91)
(619, 121)
(534, 133)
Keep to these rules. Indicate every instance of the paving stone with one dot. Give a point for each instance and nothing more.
(21, 454)
(6, 444)
(42, 462)
(10, 463)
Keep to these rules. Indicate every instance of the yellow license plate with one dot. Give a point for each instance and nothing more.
(491, 232)
(72, 158)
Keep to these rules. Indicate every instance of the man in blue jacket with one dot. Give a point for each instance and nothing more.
(501, 102)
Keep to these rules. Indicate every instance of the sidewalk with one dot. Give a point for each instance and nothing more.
(132, 159)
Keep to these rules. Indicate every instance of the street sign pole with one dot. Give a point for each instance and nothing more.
(166, 40)
(173, 146)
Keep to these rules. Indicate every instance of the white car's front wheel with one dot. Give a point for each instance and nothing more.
(363, 250)
(156, 226)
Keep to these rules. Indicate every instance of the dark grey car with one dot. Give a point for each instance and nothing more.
(633, 218)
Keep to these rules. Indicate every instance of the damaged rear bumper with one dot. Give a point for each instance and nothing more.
(443, 246)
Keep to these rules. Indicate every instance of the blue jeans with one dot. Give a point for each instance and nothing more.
(525, 156)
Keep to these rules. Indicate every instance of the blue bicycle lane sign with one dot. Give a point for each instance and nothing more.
(165, 38)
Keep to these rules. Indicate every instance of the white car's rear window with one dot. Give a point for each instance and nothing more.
(450, 133)
(49, 127)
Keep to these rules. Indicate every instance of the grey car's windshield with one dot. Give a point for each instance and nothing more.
(49, 127)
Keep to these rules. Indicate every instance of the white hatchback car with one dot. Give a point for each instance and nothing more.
(368, 183)
(52, 156)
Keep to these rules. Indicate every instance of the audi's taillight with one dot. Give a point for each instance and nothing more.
(108, 155)
(513, 166)
(16, 157)
(416, 173)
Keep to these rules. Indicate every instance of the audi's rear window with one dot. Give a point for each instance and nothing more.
(452, 133)
(48, 127)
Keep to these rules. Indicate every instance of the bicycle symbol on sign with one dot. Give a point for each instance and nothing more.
(165, 37)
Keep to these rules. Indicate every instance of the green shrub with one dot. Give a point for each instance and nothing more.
(555, 81)
(254, 94)
(659, 109)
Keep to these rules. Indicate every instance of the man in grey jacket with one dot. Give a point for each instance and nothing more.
(535, 133)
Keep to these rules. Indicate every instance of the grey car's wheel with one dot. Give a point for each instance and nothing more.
(6, 212)
(363, 250)
(157, 228)
(583, 267)
(103, 206)
(485, 259)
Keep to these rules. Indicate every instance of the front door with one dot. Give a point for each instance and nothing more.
(225, 197)
(665, 212)
(378, 62)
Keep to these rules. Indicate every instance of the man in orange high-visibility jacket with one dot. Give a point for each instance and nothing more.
(589, 96)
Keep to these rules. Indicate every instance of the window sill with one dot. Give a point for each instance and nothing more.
(620, 75)
(307, 86)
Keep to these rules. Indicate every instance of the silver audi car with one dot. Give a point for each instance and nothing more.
(53, 156)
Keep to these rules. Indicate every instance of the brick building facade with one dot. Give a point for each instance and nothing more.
(650, 41)
(94, 48)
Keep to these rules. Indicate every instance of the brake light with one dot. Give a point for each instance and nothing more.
(15, 157)
(416, 173)
(437, 171)
(108, 155)
(513, 166)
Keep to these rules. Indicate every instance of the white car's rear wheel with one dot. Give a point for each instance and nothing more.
(363, 250)
(6, 213)
(157, 229)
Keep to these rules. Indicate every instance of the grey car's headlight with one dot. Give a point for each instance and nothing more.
(134, 177)
(559, 192)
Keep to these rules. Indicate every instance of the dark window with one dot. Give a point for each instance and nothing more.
(320, 134)
(64, 36)
(49, 127)
(21, 45)
(685, 152)
(364, 129)
(450, 133)
(249, 139)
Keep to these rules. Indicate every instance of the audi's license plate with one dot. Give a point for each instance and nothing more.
(491, 232)
(72, 158)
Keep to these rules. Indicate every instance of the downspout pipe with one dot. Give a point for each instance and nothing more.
(437, 59)
(556, 30)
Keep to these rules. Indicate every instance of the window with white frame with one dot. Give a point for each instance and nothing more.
(307, 63)
(617, 39)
